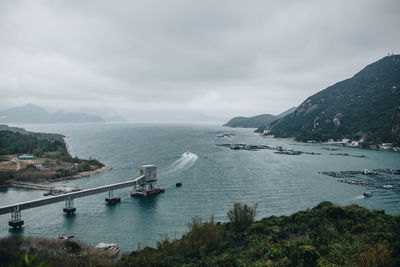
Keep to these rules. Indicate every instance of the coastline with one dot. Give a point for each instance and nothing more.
(103, 169)
(40, 183)
(329, 144)
(66, 145)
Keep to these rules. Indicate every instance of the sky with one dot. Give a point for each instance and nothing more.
(186, 60)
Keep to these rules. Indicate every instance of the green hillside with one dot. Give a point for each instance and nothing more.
(14, 140)
(326, 235)
(366, 105)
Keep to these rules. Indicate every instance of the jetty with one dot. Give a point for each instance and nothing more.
(31, 186)
(279, 149)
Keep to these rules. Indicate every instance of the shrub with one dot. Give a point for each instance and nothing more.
(30, 166)
(5, 176)
(379, 255)
(72, 247)
(242, 216)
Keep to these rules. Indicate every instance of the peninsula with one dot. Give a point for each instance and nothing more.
(40, 158)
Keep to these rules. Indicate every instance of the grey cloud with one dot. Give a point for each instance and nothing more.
(222, 59)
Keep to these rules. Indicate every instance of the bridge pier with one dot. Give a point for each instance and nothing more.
(15, 209)
(69, 206)
(16, 221)
(111, 200)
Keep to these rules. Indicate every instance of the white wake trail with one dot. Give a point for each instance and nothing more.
(184, 162)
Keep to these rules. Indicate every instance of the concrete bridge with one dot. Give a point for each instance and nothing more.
(15, 209)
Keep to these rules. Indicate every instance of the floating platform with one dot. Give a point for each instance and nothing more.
(16, 224)
(148, 193)
(113, 200)
(69, 211)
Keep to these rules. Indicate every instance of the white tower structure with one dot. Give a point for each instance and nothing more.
(147, 185)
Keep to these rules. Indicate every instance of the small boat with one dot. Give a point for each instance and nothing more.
(368, 194)
(178, 184)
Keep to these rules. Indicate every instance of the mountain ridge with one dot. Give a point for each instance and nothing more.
(365, 106)
(256, 121)
(31, 113)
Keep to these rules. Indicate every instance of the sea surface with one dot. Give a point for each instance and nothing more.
(213, 178)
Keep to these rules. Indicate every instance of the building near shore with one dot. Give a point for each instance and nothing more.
(26, 157)
(387, 146)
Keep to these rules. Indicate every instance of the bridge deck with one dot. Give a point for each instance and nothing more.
(54, 199)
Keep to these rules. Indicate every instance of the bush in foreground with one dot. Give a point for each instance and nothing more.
(326, 235)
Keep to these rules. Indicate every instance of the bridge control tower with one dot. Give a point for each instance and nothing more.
(147, 185)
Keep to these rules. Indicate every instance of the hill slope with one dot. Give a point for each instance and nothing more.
(35, 114)
(366, 105)
(325, 235)
(256, 121)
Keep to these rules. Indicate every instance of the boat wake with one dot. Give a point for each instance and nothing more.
(184, 162)
(358, 197)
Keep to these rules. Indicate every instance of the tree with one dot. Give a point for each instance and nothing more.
(241, 216)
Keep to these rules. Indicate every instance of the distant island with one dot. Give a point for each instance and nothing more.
(31, 113)
(256, 121)
(40, 157)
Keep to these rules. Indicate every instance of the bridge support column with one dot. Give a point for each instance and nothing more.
(111, 200)
(16, 221)
(69, 206)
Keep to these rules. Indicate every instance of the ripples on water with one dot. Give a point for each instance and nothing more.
(213, 179)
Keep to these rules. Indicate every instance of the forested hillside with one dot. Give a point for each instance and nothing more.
(365, 106)
(17, 140)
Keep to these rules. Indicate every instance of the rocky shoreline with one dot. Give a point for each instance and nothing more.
(38, 185)
(103, 169)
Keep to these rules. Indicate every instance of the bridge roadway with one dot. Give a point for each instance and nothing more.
(54, 199)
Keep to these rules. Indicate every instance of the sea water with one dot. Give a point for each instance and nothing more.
(212, 177)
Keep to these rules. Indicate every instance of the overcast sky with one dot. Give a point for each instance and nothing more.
(172, 60)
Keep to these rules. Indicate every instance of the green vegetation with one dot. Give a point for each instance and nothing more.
(41, 252)
(326, 235)
(84, 166)
(31, 261)
(5, 176)
(55, 159)
(366, 105)
(242, 216)
(72, 247)
(32, 143)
